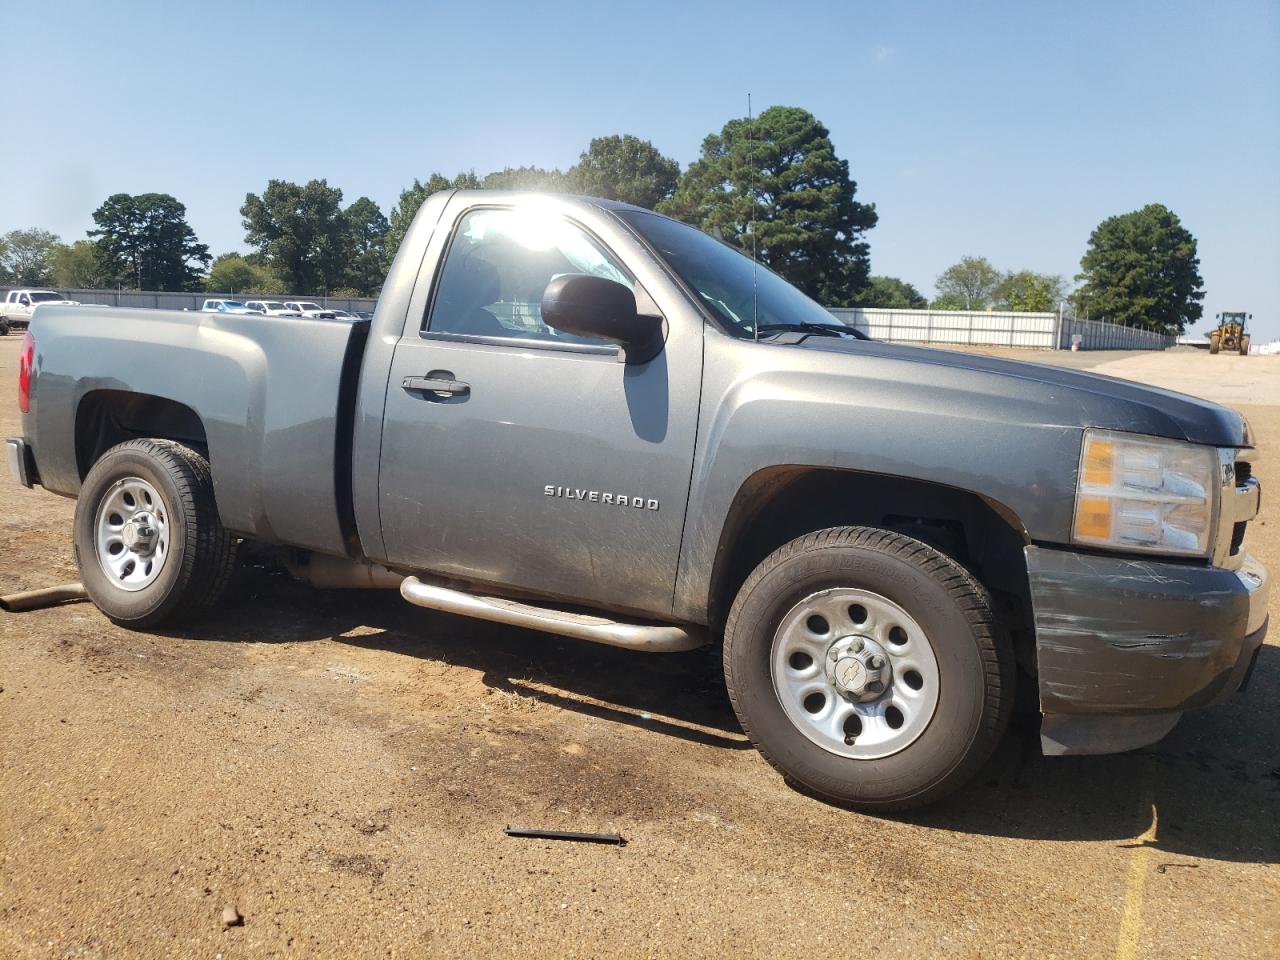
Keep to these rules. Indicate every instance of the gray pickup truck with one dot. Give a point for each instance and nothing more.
(588, 419)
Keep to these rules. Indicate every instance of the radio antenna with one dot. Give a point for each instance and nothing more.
(751, 223)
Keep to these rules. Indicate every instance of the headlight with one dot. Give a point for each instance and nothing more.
(1141, 493)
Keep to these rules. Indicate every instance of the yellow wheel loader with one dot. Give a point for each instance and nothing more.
(1230, 334)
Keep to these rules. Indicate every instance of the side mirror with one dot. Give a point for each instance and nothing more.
(588, 306)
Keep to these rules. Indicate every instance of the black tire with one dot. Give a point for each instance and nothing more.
(1215, 344)
(974, 661)
(4, 326)
(200, 556)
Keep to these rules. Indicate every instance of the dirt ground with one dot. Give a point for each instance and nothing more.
(339, 768)
(1225, 378)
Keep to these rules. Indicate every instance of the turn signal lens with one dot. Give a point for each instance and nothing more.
(1099, 459)
(1144, 493)
(1093, 518)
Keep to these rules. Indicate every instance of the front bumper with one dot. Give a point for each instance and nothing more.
(1124, 646)
(22, 462)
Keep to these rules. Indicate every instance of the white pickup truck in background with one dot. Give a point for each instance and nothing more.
(309, 309)
(18, 305)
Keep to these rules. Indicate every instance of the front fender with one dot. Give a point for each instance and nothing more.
(973, 434)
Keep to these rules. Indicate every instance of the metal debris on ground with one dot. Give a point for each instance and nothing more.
(611, 838)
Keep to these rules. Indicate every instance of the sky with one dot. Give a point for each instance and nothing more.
(1004, 130)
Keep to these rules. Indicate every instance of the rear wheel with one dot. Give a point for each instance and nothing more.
(148, 541)
(866, 666)
(4, 326)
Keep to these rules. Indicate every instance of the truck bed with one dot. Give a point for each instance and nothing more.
(272, 398)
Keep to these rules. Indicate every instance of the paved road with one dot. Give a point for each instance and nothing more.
(340, 767)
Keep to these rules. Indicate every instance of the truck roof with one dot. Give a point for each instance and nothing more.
(512, 196)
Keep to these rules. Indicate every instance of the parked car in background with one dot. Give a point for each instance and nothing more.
(18, 305)
(366, 315)
(345, 315)
(225, 306)
(310, 310)
(271, 308)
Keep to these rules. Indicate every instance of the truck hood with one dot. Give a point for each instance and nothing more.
(1076, 398)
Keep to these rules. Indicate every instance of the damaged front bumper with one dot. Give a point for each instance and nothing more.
(1124, 646)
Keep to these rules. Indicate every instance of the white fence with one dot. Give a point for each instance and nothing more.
(1037, 331)
(161, 300)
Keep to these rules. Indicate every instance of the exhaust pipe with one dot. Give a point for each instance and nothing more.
(45, 597)
(649, 637)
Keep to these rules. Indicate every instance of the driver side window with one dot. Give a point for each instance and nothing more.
(498, 264)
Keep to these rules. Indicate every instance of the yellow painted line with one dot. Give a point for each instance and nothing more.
(1136, 885)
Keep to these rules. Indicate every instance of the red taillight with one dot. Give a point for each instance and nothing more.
(26, 360)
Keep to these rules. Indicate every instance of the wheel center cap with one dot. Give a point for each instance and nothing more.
(139, 534)
(858, 668)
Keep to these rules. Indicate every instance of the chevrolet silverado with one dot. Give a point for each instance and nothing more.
(588, 419)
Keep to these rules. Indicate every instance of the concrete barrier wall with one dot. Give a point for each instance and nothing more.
(1042, 331)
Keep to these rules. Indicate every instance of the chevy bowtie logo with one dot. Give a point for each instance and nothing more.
(597, 496)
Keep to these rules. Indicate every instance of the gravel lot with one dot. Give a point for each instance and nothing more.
(339, 767)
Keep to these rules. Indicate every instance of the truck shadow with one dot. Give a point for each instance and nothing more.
(1211, 788)
(1213, 784)
(680, 695)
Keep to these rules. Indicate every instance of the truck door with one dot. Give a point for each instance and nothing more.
(515, 456)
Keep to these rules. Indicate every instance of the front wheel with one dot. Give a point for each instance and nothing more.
(868, 668)
(149, 544)
(4, 326)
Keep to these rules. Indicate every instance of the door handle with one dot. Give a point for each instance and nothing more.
(440, 386)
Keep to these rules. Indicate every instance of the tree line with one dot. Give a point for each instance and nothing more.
(1139, 269)
(771, 185)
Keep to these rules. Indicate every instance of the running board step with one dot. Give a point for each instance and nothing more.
(651, 638)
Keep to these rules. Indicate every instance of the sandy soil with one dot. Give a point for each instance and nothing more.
(339, 768)
(1225, 378)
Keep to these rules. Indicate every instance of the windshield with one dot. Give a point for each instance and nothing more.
(722, 278)
(45, 297)
(309, 306)
(231, 305)
(272, 305)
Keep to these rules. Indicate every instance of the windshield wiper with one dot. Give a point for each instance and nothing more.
(821, 329)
